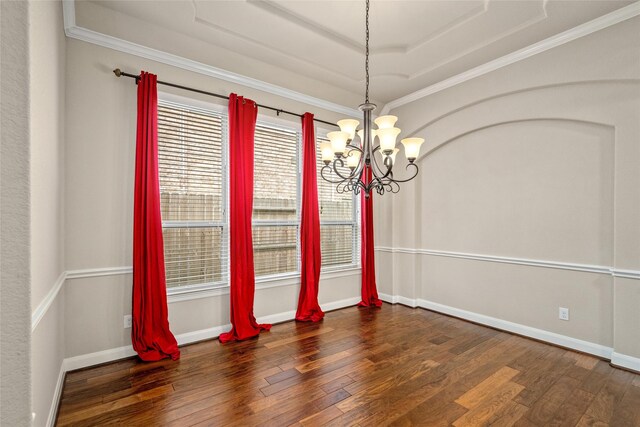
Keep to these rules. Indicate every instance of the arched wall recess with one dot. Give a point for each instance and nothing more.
(423, 126)
(537, 119)
(532, 188)
(591, 102)
(467, 237)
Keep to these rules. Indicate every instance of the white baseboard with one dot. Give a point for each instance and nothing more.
(516, 328)
(409, 302)
(99, 357)
(335, 305)
(57, 394)
(391, 299)
(624, 361)
(202, 334)
(397, 299)
(277, 318)
(528, 331)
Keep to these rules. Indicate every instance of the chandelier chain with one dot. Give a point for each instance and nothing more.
(365, 173)
(366, 54)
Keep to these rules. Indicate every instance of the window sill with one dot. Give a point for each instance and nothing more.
(265, 282)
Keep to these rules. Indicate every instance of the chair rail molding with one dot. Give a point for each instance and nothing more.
(567, 36)
(73, 31)
(43, 307)
(177, 295)
(588, 268)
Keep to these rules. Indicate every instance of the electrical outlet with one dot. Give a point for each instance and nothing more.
(128, 320)
(563, 313)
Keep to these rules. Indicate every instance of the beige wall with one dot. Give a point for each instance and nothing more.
(47, 113)
(536, 161)
(101, 125)
(15, 307)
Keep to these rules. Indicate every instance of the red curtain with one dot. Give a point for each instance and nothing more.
(150, 334)
(308, 308)
(242, 125)
(369, 291)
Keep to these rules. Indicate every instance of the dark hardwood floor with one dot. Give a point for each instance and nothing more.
(368, 367)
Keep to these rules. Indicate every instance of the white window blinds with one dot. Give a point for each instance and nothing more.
(193, 195)
(275, 200)
(339, 219)
(192, 156)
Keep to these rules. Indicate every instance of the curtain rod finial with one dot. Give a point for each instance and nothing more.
(117, 72)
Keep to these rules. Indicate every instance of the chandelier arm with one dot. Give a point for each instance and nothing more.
(415, 173)
(322, 172)
(393, 187)
(379, 172)
(335, 169)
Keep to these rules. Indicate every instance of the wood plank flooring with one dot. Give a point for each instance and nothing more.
(368, 367)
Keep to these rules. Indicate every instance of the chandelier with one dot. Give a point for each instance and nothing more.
(360, 152)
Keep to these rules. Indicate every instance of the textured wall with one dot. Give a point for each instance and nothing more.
(538, 160)
(15, 312)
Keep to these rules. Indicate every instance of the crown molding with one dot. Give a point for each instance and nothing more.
(572, 34)
(79, 33)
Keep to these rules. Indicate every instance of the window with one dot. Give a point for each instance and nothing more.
(193, 191)
(275, 200)
(192, 158)
(339, 220)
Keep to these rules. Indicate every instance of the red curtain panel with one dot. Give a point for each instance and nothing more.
(308, 308)
(150, 334)
(369, 291)
(242, 125)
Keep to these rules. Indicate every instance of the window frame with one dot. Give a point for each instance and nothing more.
(355, 219)
(194, 104)
(204, 290)
(288, 126)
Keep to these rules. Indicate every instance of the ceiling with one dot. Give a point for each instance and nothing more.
(414, 44)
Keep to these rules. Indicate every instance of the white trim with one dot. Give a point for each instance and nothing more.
(97, 358)
(44, 305)
(409, 302)
(202, 334)
(197, 104)
(98, 272)
(587, 268)
(57, 394)
(189, 295)
(627, 274)
(175, 295)
(104, 40)
(572, 34)
(336, 305)
(391, 299)
(277, 318)
(516, 328)
(624, 361)
(69, 13)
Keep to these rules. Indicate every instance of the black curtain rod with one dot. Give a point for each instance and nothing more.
(120, 73)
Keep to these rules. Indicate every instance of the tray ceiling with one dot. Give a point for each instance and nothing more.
(413, 43)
